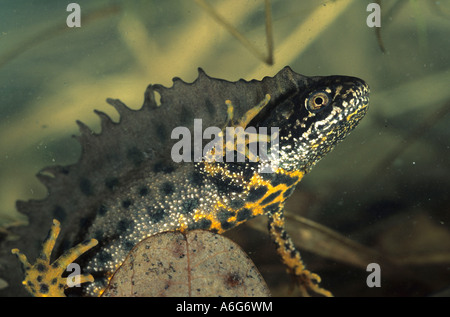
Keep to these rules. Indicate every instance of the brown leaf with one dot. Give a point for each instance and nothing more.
(198, 263)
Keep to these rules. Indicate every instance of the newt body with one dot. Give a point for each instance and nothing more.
(135, 190)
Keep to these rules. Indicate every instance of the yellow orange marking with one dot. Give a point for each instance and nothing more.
(43, 278)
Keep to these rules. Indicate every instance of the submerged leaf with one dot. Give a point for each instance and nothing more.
(198, 263)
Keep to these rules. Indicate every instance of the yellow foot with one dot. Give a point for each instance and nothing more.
(241, 144)
(250, 114)
(307, 281)
(308, 284)
(44, 278)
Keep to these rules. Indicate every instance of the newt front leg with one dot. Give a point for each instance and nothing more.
(306, 280)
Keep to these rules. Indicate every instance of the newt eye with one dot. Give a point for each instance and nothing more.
(317, 101)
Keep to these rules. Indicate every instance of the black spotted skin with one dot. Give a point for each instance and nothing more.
(144, 192)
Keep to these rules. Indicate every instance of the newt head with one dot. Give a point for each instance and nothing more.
(314, 118)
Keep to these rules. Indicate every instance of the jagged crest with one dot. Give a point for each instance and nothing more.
(135, 147)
